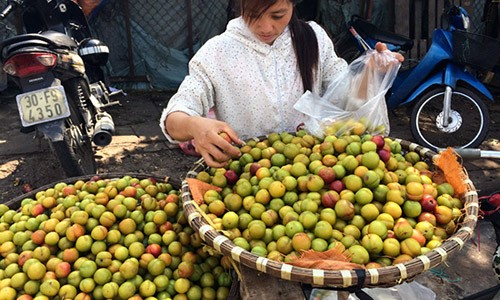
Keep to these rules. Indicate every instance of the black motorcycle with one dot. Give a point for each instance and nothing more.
(57, 66)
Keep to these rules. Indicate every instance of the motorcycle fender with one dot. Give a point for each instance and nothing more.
(53, 131)
(437, 79)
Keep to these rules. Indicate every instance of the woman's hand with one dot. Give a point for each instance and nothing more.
(377, 65)
(384, 59)
(213, 139)
(214, 142)
(381, 47)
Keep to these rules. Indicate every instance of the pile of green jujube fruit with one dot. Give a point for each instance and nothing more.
(289, 193)
(121, 238)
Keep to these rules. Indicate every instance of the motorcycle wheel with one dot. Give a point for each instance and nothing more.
(75, 152)
(469, 120)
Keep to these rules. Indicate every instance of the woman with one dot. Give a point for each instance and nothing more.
(251, 76)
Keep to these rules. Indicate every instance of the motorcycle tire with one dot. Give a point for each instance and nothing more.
(75, 152)
(469, 120)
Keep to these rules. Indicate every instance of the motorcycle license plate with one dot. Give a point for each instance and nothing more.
(42, 106)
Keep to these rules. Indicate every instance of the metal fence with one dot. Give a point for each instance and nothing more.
(185, 25)
(151, 42)
(418, 18)
(415, 19)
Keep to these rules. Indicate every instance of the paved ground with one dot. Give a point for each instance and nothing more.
(139, 147)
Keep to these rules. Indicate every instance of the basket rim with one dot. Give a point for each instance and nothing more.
(378, 277)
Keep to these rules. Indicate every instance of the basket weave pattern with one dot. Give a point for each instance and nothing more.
(378, 277)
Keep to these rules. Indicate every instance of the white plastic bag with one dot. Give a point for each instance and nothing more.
(354, 102)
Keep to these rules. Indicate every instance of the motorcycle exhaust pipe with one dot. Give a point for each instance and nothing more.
(103, 129)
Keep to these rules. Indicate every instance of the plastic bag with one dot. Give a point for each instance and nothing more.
(354, 102)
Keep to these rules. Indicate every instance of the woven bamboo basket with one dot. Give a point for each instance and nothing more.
(378, 277)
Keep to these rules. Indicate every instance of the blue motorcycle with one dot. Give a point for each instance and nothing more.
(447, 101)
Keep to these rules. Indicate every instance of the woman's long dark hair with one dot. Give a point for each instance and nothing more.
(304, 39)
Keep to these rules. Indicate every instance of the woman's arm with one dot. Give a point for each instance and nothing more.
(206, 133)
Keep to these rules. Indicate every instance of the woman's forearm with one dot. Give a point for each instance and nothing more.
(177, 125)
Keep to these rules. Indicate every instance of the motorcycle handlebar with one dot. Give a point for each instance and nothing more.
(6, 11)
(474, 153)
(10, 7)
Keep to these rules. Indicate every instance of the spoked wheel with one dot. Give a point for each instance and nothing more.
(468, 120)
(75, 152)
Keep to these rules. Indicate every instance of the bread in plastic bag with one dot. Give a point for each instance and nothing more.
(354, 102)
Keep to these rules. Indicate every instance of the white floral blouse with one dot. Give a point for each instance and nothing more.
(250, 85)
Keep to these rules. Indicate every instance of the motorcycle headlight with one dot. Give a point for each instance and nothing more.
(94, 52)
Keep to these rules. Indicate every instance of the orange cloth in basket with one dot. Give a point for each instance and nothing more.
(452, 170)
(335, 258)
(198, 188)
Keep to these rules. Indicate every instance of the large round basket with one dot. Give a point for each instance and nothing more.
(377, 277)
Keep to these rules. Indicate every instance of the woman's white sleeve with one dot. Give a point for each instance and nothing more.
(195, 95)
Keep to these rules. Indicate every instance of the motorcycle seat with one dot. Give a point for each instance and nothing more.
(60, 39)
(44, 40)
(11, 47)
(365, 28)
